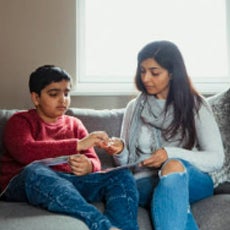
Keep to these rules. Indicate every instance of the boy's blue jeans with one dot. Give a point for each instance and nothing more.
(170, 197)
(70, 194)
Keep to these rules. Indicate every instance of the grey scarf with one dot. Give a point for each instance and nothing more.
(148, 111)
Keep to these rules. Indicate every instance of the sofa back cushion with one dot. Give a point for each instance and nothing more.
(101, 120)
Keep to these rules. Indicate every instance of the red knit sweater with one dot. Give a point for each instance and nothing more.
(28, 138)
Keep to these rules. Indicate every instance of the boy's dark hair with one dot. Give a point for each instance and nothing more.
(44, 75)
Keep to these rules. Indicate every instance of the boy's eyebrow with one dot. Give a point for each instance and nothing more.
(57, 90)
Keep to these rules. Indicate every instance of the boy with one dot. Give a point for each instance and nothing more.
(46, 132)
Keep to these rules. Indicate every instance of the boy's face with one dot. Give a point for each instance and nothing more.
(53, 101)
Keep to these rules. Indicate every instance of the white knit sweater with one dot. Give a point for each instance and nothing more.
(208, 155)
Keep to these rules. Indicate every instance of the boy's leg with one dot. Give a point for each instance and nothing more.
(145, 188)
(47, 189)
(122, 200)
(118, 190)
(15, 191)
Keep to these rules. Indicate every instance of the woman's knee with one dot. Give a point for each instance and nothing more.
(172, 166)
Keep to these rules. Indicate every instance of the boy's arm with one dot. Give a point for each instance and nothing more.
(22, 146)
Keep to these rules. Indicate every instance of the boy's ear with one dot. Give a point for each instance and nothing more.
(35, 98)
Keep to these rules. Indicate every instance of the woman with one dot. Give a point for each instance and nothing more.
(170, 130)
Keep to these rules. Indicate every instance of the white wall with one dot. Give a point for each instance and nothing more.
(33, 33)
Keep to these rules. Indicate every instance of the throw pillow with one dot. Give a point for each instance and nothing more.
(220, 104)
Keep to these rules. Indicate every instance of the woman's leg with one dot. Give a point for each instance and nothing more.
(200, 187)
(200, 184)
(171, 201)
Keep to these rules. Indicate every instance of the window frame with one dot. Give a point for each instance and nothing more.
(81, 87)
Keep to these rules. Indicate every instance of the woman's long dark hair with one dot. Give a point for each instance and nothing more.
(182, 95)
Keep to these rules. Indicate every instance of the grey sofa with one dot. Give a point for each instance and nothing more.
(211, 214)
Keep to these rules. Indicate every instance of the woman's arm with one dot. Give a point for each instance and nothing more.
(209, 155)
(122, 157)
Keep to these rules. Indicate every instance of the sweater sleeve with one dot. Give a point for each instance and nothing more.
(209, 155)
(122, 157)
(21, 143)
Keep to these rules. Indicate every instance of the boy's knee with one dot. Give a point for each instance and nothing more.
(127, 176)
(172, 166)
(122, 173)
(34, 170)
(32, 167)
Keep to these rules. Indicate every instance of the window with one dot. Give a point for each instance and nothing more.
(111, 32)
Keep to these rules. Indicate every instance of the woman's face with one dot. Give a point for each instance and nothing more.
(155, 78)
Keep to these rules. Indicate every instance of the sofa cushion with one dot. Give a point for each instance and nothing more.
(220, 104)
(213, 212)
(21, 216)
(223, 188)
(107, 120)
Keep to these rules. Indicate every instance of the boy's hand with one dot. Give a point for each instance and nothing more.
(93, 139)
(80, 164)
(114, 146)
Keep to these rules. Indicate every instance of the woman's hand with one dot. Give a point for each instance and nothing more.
(80, 164)
(93, 139)
(156, 159)
(114, 146)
